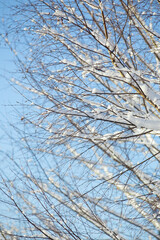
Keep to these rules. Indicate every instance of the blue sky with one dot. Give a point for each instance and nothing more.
(8, 95)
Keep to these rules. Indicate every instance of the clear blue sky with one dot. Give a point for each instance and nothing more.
(7, 93)
(8, 96)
